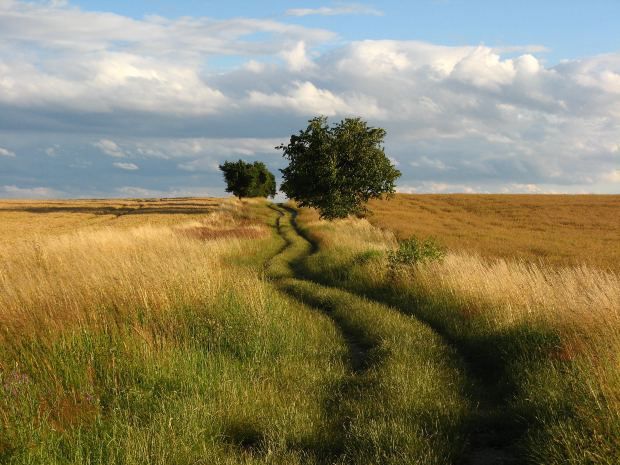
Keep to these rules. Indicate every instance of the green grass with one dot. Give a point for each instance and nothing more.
(240, 381)
(272, 369)
(402, 400)
(220, 390)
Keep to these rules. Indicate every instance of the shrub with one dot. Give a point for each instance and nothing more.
(413, 251)
(367, 256)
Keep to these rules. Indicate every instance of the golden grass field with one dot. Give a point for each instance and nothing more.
(23, 220)
(557, 229)
(59, 258)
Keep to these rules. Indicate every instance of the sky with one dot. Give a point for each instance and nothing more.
(146, 98)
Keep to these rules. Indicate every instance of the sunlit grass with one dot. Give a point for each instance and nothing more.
(27, 220)
(168, 333)
(152, 345)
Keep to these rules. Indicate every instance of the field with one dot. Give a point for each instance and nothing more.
(556, 229)
(23, 220)
(187, 331)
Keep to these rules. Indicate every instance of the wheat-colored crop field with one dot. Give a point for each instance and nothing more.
(22, 220)
(555, 229)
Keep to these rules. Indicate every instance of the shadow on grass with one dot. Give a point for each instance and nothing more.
(244, 435)
(113, 211)
(333, 442)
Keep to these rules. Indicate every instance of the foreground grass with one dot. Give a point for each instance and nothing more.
(402, 400)
(540, 343)
(150, 345)
(225, 337)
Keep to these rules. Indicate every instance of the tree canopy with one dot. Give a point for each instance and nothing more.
(248, 179)
(337, 169)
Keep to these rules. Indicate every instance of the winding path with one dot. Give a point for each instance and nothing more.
(484, 442)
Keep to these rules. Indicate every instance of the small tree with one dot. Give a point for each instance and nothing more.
(337, 169)
(248, 179)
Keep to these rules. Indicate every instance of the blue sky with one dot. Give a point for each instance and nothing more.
(568, 28)
(145, 98)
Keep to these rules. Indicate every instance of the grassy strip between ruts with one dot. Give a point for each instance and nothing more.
(542, 346)
(402, 400)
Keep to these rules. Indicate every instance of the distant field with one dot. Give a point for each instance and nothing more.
(559, 229)
(26, 219)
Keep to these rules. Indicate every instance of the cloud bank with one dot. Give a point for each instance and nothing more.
(89, 109)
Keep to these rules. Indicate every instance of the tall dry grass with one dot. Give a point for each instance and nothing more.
(506, 292)
(509, 292)
(91, 277)
(572, 384)
(157, 344)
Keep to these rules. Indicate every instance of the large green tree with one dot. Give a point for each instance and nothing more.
(337, 169)
(248, 179)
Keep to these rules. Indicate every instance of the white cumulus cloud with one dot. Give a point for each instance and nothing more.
(6, 152)
(141, 192)
(201, 164)
(307, 98)
(12, 191)
(297, 57)
(126, 166)
(110, 148)
(612, 176)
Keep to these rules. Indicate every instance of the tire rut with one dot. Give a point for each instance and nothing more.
(358, 351)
